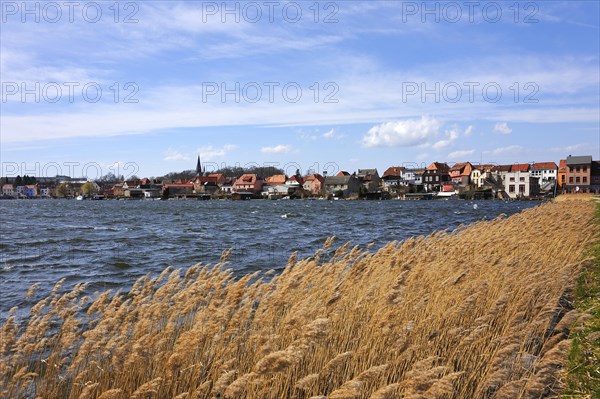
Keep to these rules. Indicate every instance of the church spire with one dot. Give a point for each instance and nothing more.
(199, 171)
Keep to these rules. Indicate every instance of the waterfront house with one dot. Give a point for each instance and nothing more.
(562, 173)
(436, 176)
(45, 190)
(579, 173)
(295, 181)
(174, 190)
(519, 183)
(8, 190)
(460, 173)
(314, 184)
(118, 190)
(369, 178)
(31, 190)
(546, 172)
(392, 178)
(131, 184)
(248, 183)
(344, 186)
(276, 180)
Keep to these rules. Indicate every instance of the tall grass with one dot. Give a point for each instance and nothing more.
(482, 312)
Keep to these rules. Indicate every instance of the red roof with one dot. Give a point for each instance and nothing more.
(343, 173)
(520, 167)
(394, 171)
(544, 165)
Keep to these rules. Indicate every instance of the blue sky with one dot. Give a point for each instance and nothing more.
(352, 85)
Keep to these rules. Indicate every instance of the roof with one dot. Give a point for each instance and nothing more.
(501, 168)
(464, 168)
(544, 165)
(394, 171)
(520, 167)
(248, 178)
(563, 164)
(276, 179)
(7, 187)
(298, 179)
(443, 167)
(579, 160)
(314, 176)
(343, 173)
(366, 172)
(337, 180)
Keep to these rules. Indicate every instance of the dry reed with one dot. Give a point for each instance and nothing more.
(481, 312)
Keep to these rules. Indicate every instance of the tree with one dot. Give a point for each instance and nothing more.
(62, 190)
(89, 188)
(18, 181)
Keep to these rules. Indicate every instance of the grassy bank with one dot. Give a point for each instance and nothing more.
(483, 312)
(584, 359)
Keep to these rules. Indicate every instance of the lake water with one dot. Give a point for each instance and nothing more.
(111, 243)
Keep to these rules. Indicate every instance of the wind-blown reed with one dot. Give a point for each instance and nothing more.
(481, 312)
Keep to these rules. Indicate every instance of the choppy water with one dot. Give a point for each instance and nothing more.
(111, 243)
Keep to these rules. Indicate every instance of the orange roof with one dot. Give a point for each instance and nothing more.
(544, 165)
(314, 176)
(394, 171)
(520, 167)
(276, 179)
(438, 166)
(343, 173)
(246, 178)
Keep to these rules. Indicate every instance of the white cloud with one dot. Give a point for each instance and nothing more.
(451, 136)
(502, 128)
(209, 152)
(332, 134)
(174, 155)
(278, 149)
(469, 131)
(404, 133)
(505, 150)
(459, 154)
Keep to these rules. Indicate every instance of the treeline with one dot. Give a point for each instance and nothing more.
(228, 171)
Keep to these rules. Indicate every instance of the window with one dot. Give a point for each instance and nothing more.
(578, 179)
(578, 169)
(512, 179)
(521, 188)
(571, 179)
(584, 179)
(437, 178)
(585, 169)
(511, 188)
(522, 179)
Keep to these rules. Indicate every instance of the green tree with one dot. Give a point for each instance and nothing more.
(89, 188)
(18, 181)
(62, 190)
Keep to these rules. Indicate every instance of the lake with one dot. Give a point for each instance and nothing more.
(110, 244)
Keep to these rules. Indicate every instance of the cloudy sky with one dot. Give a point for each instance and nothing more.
(144, 87)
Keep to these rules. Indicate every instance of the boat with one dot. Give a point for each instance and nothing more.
(79, 198)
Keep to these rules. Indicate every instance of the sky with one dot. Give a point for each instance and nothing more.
(143, 88)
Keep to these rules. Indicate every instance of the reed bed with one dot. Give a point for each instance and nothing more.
(481, 312)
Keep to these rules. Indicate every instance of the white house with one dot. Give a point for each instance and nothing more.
(546, 172)
(520, 184)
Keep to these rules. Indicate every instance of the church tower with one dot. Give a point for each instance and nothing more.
(199, 171)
